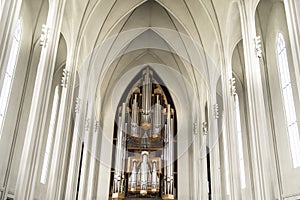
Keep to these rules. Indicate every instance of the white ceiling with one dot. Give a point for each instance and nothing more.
(186, 35)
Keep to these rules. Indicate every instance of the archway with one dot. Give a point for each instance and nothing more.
(143, 160)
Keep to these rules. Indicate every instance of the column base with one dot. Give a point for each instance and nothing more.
(143, 192)
(118, 195)
(168, 196)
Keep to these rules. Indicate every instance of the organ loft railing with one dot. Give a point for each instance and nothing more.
(143, 158)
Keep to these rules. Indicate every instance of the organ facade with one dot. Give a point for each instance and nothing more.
(143, 156)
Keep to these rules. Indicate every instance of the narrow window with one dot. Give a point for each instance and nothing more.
(50, 138)
(226, 161)
(9, 72)
(288, 100)
(240, 142)
(1, 7)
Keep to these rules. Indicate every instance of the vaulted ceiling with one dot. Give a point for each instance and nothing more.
(111, 37)
(122, 34)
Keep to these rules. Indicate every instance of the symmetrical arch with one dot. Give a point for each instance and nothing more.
(231, 68)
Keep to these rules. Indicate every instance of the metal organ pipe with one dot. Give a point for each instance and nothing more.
(144, 172)
(149, 139)
(135, 117)
(168, 186)
(165, 156)
(147, 90)
(124, 147)
(171, 152)
(157, 118)
(119, 164)
(133, 175)
(154, 176)
(146, 100)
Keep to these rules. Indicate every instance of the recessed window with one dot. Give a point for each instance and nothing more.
(51, 131)
(9, 72)
(240, 143)
(226, 160)
(1, 7)
(288, 100)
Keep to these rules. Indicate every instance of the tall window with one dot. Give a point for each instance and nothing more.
(240, 143)
(9, 72)
(50, 138)
(1, 7)
(226, 160)
(288, 100)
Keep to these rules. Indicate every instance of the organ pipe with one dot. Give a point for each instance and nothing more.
(146, 100)
(147, 133)
(135, 117)
(117, 188)
(157, 118)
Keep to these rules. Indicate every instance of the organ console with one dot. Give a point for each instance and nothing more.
(144, 154)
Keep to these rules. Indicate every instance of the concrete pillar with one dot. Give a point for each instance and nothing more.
(73, 170)
(258, 132)
(38, 113)
(87, 158)
(93, 170)
(63, 140)
(214, 148)
(230, 128)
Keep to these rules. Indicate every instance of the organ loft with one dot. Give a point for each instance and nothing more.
(143, 164)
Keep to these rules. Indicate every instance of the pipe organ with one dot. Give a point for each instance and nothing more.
(144, 149)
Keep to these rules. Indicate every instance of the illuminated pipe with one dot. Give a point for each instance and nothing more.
(135, 117)
(157, 118)
(118, 176)
(154, 175)
(146, 101)
(165, 156)
(147, 90)
(133, 182)
(169, 144)
(171, 153)
(123, 157)
(144, 173)
(168, 186)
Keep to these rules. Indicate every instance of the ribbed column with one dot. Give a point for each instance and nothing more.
(230, 129)
(76, 148)
(214, 149)
(93, 163)
(38, 112)
(259, 144)
(73, 169)
(86, 160)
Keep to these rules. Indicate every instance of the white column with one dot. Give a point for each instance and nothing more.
(86, 160)
(203, 168)
(259, 144)
(91, 193)
(214, 149)
(230, 126)
(38, 112)
(76, 146)
(58, 168)
(196, 169)
(73, 170)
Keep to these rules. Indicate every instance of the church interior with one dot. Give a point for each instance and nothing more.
(149, 99)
